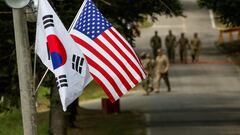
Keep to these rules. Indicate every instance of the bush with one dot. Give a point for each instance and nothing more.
(229, 47)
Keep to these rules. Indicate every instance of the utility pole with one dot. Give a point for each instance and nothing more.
(25, 72)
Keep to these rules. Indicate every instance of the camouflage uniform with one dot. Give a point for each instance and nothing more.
(170, 42)
(195, 48)
(155, 43)
(162, 67)
(183, 47)
(148, 65)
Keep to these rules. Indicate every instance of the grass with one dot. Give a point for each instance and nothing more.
(11, 124)
(146, 24)
(92, 122)
(92, 91)
(89, 122)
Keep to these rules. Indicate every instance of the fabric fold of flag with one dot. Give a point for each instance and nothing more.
(60, 54)
(112, 61)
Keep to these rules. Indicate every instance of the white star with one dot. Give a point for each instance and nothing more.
(103, 27)
(88, 32)
(88, 24)
(98, 31)
(93, 32)
(88, 28)
(83, 30)
(92, 36)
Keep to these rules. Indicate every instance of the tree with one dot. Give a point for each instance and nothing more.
(8, 71)
(228, 10)
(125, 14)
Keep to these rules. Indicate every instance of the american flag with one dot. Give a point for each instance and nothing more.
(112, 61)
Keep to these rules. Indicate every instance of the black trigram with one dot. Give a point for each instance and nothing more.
(77, 63)
(61, 81)
(48, 21)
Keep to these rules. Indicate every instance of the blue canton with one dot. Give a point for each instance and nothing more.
(91, 22)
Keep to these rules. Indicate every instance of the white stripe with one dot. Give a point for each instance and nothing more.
(105, 81)
(116, 32)
(110, 46)
(106, 68)
(98, 61)
(125, 42)
(112, 61)
(124, 50)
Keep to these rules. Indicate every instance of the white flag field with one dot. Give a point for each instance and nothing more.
(99, 52)
(60, 54)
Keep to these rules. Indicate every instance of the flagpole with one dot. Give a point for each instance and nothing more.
(39, 84)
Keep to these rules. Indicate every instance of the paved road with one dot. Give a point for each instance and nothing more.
(206, 97)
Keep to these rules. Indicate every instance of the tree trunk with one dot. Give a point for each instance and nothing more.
(58, 125)
(72, 111)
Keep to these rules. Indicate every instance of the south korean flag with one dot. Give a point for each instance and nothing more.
(60, 54)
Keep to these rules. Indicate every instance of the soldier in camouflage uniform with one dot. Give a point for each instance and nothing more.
(148, 65)
(155, 43)
(195, 48)
(183, 48)
(161, 69)
(170, 42)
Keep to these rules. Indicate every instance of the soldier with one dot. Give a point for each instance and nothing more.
(170, 42)
(155, 43)
(183, 47)
(162, 67)
(195, 48)
(147, 63)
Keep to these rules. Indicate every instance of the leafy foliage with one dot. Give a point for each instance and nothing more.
(227, 9)
(123, 14)
(8, 69)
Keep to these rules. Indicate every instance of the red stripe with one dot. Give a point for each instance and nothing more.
(104, 60)
(123, 54)
(106, 90)
(104, 47)
(99, 68)
(125, 45)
